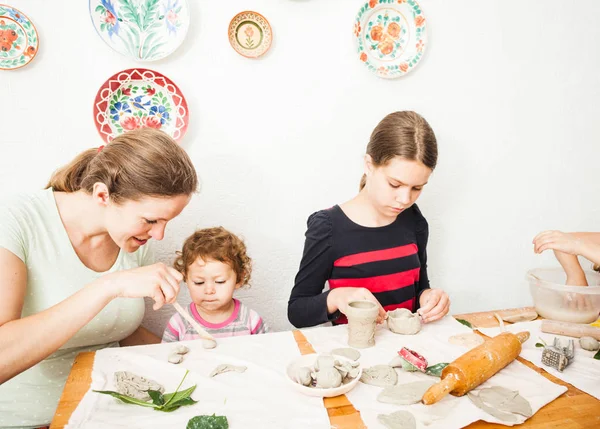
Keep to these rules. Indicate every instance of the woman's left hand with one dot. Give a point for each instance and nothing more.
(435, 304)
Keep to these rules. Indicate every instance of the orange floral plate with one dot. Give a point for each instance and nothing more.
(250, 34)
(391, 36)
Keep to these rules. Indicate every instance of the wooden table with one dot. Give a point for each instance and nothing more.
(574, 409)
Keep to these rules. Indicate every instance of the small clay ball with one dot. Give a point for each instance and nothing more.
(589, 343)
(181, 349)
(175, 358)
(209, 344)
(328, 378)
(303, 376)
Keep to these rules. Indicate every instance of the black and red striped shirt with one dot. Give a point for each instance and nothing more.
(390, 261)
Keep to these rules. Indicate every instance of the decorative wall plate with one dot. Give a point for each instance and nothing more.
(391, 36)
(18, 38)
(138, 98)
(250, 34)
(146, 30)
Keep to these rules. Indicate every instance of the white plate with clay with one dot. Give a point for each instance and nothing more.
(309, 361)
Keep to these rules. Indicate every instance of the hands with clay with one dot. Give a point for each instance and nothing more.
(435, 304)
(339, 298)
(157, 281)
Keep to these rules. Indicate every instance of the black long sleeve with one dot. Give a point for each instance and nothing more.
(308, 303)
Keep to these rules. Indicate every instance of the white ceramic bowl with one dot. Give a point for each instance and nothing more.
(309, 360)
(553, 300)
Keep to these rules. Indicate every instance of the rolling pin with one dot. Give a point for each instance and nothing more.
(567, 329)
(476, 366)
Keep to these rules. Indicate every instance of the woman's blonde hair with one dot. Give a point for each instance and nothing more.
(220, 245)
(406, 134)
(136, 164)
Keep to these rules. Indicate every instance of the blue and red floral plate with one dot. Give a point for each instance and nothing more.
(139, 98)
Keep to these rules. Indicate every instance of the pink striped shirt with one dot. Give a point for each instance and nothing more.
(243, 321)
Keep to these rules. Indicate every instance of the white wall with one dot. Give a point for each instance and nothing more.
(511, 89)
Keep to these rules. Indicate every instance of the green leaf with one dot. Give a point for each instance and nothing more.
(464, 322)
(175, 405)
(597, 355)
(407, 366)
(539, 345)
(126, 399)
(157, 397)
(208, 422)
(177, 396)
(99, 8)
(170, 396)
(436, 370)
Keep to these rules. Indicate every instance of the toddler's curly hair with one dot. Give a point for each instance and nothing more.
(220, 245)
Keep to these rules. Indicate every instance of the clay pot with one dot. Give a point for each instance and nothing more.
(362, 321)
(403, 321)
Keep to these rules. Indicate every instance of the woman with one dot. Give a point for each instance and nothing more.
(75, 267)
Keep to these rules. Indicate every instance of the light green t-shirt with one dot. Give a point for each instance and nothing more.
(31, 228)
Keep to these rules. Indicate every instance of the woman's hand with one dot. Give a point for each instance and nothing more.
(435, 304)
(557, 240)
(339, 298)
(157, 281)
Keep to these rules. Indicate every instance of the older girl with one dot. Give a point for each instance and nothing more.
(374, 246)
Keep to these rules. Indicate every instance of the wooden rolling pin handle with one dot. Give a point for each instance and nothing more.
(570, 329)
(439, 390)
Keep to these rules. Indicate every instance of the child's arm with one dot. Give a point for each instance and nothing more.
(257, 324)
(580, 243)
(592, 237)
(573, 270)
(171, 333)
(307, 305)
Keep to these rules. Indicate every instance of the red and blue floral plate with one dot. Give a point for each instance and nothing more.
(139, 98)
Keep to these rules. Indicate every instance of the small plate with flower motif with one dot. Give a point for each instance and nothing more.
(250, 34)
